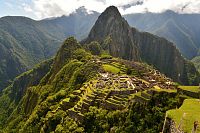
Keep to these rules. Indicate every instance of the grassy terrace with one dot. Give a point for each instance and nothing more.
(190, 88)
(110, 68)
(114, 101)
(158, 89)
(189, 112)
(115, 68)
(139, 94)
(118, 65)
(118, 98)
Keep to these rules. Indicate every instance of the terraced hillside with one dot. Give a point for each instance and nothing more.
(77, 87)
(190, 91)
(113, 89)
(80, 92)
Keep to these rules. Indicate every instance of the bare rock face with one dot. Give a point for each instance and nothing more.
(111, 24)
(160, 53)
(128, 43)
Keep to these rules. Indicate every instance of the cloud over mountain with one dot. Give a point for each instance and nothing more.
(53, 8)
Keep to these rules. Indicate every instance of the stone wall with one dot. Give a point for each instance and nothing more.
(170, 127)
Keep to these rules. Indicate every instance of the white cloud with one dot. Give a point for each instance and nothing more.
(157, 6)
(53, 8)
(27, 7)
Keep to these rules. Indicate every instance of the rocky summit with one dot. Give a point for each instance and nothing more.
(110, 24)
(128, 43)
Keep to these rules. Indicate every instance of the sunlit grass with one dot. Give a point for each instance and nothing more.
(190, 88)
(189, 112)
(110, 68)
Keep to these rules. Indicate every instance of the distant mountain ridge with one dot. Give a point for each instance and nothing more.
(175, 27)
(182, 29)
(25, 42)
(77, 24)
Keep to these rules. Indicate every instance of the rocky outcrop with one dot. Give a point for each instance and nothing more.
(110, 24)
(129, 43)
(170, 126)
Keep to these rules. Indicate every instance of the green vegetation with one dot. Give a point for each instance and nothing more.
(165, 90)
(138, 118)
(116, 68)
(61, 95)
(69, 92)
(110, 68)
(23, 44)
(106, 56)
(45, 89)
(190, 88)
(12, 95)
(186, 115)
(190, 91)
(94, 48)
(119, 43)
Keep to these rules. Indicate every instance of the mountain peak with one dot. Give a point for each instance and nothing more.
(82, 11)
(111, 11)
(111, 24)
(169, 12)
(65, 52)
(108, 23)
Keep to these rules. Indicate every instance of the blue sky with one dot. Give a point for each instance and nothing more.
(15, 8)
(39, 9)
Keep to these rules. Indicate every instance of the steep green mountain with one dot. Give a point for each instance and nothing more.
(12, 95)
(68, 69)
(25, 42)
(22, 44)
(128, 43)
(182, 29)
(196, 62)
(80, 92)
